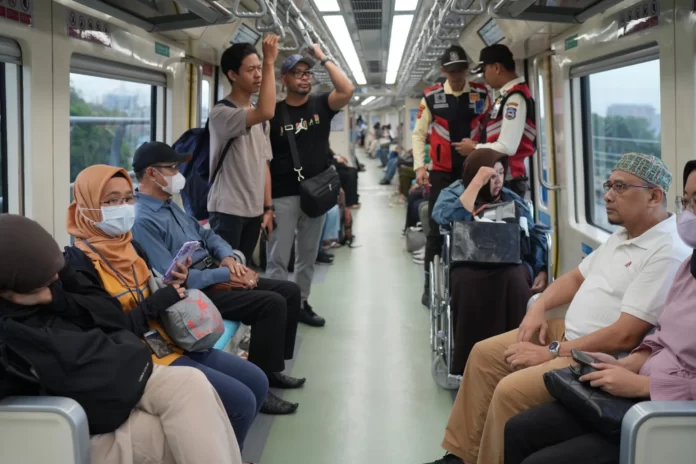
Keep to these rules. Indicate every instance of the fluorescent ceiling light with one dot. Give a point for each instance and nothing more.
(327, 5)
(337, 25)
(401, 27)
(356, 98)
(367, 101)
(401, 5)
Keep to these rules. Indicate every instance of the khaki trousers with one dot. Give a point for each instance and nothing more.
(491, 393)
(179, 420)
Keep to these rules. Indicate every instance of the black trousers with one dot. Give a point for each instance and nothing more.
(439, 180)
(349, 183)
(241, 233)
(272, 310)
(550, 434)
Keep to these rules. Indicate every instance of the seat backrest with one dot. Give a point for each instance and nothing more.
(38, 429)
(659, 431)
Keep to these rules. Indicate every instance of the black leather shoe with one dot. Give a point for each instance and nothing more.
(324, 258)
(309, 317)
(277, 406)
(280, 380)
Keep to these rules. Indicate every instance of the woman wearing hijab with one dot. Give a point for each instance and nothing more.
(662, 368)
(179, 417)
(100, 219)
(492, 299)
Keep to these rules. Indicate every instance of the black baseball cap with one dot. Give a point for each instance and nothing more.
(497, 53)
(454, 59)
(151, 153)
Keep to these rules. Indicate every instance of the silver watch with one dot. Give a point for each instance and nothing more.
(555, 349)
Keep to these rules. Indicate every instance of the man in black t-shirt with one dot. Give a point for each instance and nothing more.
(310, 120)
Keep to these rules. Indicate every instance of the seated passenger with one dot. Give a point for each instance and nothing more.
(662, 368)
(616, 295)
(499, 302)
(349, 179)
(100, 219)
(179, 417)
(270, 307)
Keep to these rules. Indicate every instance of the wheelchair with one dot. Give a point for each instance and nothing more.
(441, 327)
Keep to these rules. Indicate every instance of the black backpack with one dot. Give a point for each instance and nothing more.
(105, 373)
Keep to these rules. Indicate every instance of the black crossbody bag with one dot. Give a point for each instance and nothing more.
(320, 193)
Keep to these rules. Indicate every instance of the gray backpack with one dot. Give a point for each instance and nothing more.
(194, 323)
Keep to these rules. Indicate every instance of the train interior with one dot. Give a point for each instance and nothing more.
(85, 82)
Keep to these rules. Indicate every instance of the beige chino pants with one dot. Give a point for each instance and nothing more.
(491, 393)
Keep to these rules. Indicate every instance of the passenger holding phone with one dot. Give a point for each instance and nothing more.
(662, 368)
(100, 219)
(270, 307)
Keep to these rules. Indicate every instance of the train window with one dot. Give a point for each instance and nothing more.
(113, 110)
(10, 128)
(621, 114)
(205, 101)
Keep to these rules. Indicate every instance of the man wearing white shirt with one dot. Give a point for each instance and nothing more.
(510, 125)
(616, 295)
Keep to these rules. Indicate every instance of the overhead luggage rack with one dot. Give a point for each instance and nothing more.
(552, 11)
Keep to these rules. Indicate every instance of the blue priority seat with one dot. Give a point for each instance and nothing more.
(231, 328)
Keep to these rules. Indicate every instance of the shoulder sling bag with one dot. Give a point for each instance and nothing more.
(320, 193)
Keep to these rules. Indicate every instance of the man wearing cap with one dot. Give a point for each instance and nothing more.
(240, 196)
(308, 118)
(510, 124)
(270, 307)
(454, 109)
(616, 295)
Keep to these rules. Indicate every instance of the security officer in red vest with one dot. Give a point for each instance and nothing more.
(450, 113)
(510, 125)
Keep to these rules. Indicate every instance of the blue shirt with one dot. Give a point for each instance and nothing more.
(162, 227)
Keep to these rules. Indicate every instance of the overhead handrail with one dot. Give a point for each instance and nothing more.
(250, 14)
(455, 8)
(452, 21)
(287, 48)
(537, 120)
(275, 25)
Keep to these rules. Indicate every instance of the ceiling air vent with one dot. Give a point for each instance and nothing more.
(374, 66)
(367, 13)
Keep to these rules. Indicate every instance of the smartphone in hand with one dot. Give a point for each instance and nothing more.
(185, 252)
(157, 344)
(583, 358)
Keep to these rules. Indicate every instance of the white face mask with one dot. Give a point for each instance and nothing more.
(175, 184)
(116, 220)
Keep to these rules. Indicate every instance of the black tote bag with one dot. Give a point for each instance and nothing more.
(320, 193)
(592, 406)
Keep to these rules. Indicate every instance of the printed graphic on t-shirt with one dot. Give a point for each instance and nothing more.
(302, 125)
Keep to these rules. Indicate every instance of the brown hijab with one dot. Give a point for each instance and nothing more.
(30, 257)
(85, 211)
(477, 159)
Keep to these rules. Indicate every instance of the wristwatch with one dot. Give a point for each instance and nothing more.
(555, 349)
(326, 60)
(268, 208)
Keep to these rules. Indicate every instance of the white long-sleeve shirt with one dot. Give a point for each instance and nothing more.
(514, 119)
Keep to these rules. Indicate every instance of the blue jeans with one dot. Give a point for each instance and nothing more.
(241, 385)
(392, 166)
(332, 225)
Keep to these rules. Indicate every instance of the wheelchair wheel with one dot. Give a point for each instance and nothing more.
(438, 369)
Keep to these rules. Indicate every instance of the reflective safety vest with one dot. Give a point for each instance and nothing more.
(454, 119)
(494, 122)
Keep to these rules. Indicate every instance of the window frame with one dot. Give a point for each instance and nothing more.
(90, 66)
(12, 192)
(582, 73)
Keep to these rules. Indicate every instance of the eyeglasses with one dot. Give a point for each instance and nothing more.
(620, 187)
(119, 201)
(303, 74)
(686, 204)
